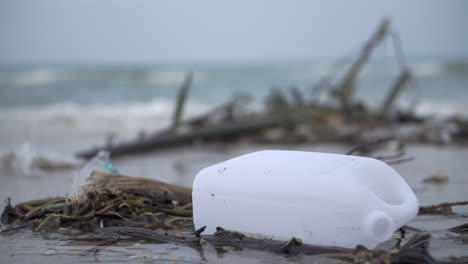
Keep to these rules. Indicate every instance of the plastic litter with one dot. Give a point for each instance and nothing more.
(101, 162)
(323, 199)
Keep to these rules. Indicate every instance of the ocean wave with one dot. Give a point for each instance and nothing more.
(99, 120)
(43, 76)
(34, 77)
(428, 68)
(170, 77)
(434, 108)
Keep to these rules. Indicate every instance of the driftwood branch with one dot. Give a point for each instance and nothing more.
(397, 87)
(440, 209)
(181, 98)
(414, 251)
(228, 130)
(346, 87)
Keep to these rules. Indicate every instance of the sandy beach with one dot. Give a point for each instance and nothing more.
(179, 166)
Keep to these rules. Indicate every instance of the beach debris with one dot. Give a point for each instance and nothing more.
(405, 77)
(389, 150)
(347, 86)
(50, 252)
(101, 162)
(107, 200)
(222, 238)
(415, 251)
(291, 245)
(26, 160)
(440, 209)
(311, 190)
(9, 213)
(158, 235)
(181, 98)
(439, 177)
(460, 228)
(225, 241)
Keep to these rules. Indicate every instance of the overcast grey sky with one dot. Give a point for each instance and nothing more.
(90, 31)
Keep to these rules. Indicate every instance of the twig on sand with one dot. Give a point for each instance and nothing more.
(440, 209)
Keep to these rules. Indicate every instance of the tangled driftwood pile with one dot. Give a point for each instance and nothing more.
(291, 117)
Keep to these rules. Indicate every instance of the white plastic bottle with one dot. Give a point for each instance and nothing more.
(324, 199)
(101, 162)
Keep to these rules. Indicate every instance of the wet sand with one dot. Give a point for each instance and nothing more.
(180, 166)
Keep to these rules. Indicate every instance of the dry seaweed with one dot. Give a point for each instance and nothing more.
(108, 200)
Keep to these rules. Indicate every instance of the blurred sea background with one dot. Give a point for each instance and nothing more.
(77, 104)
